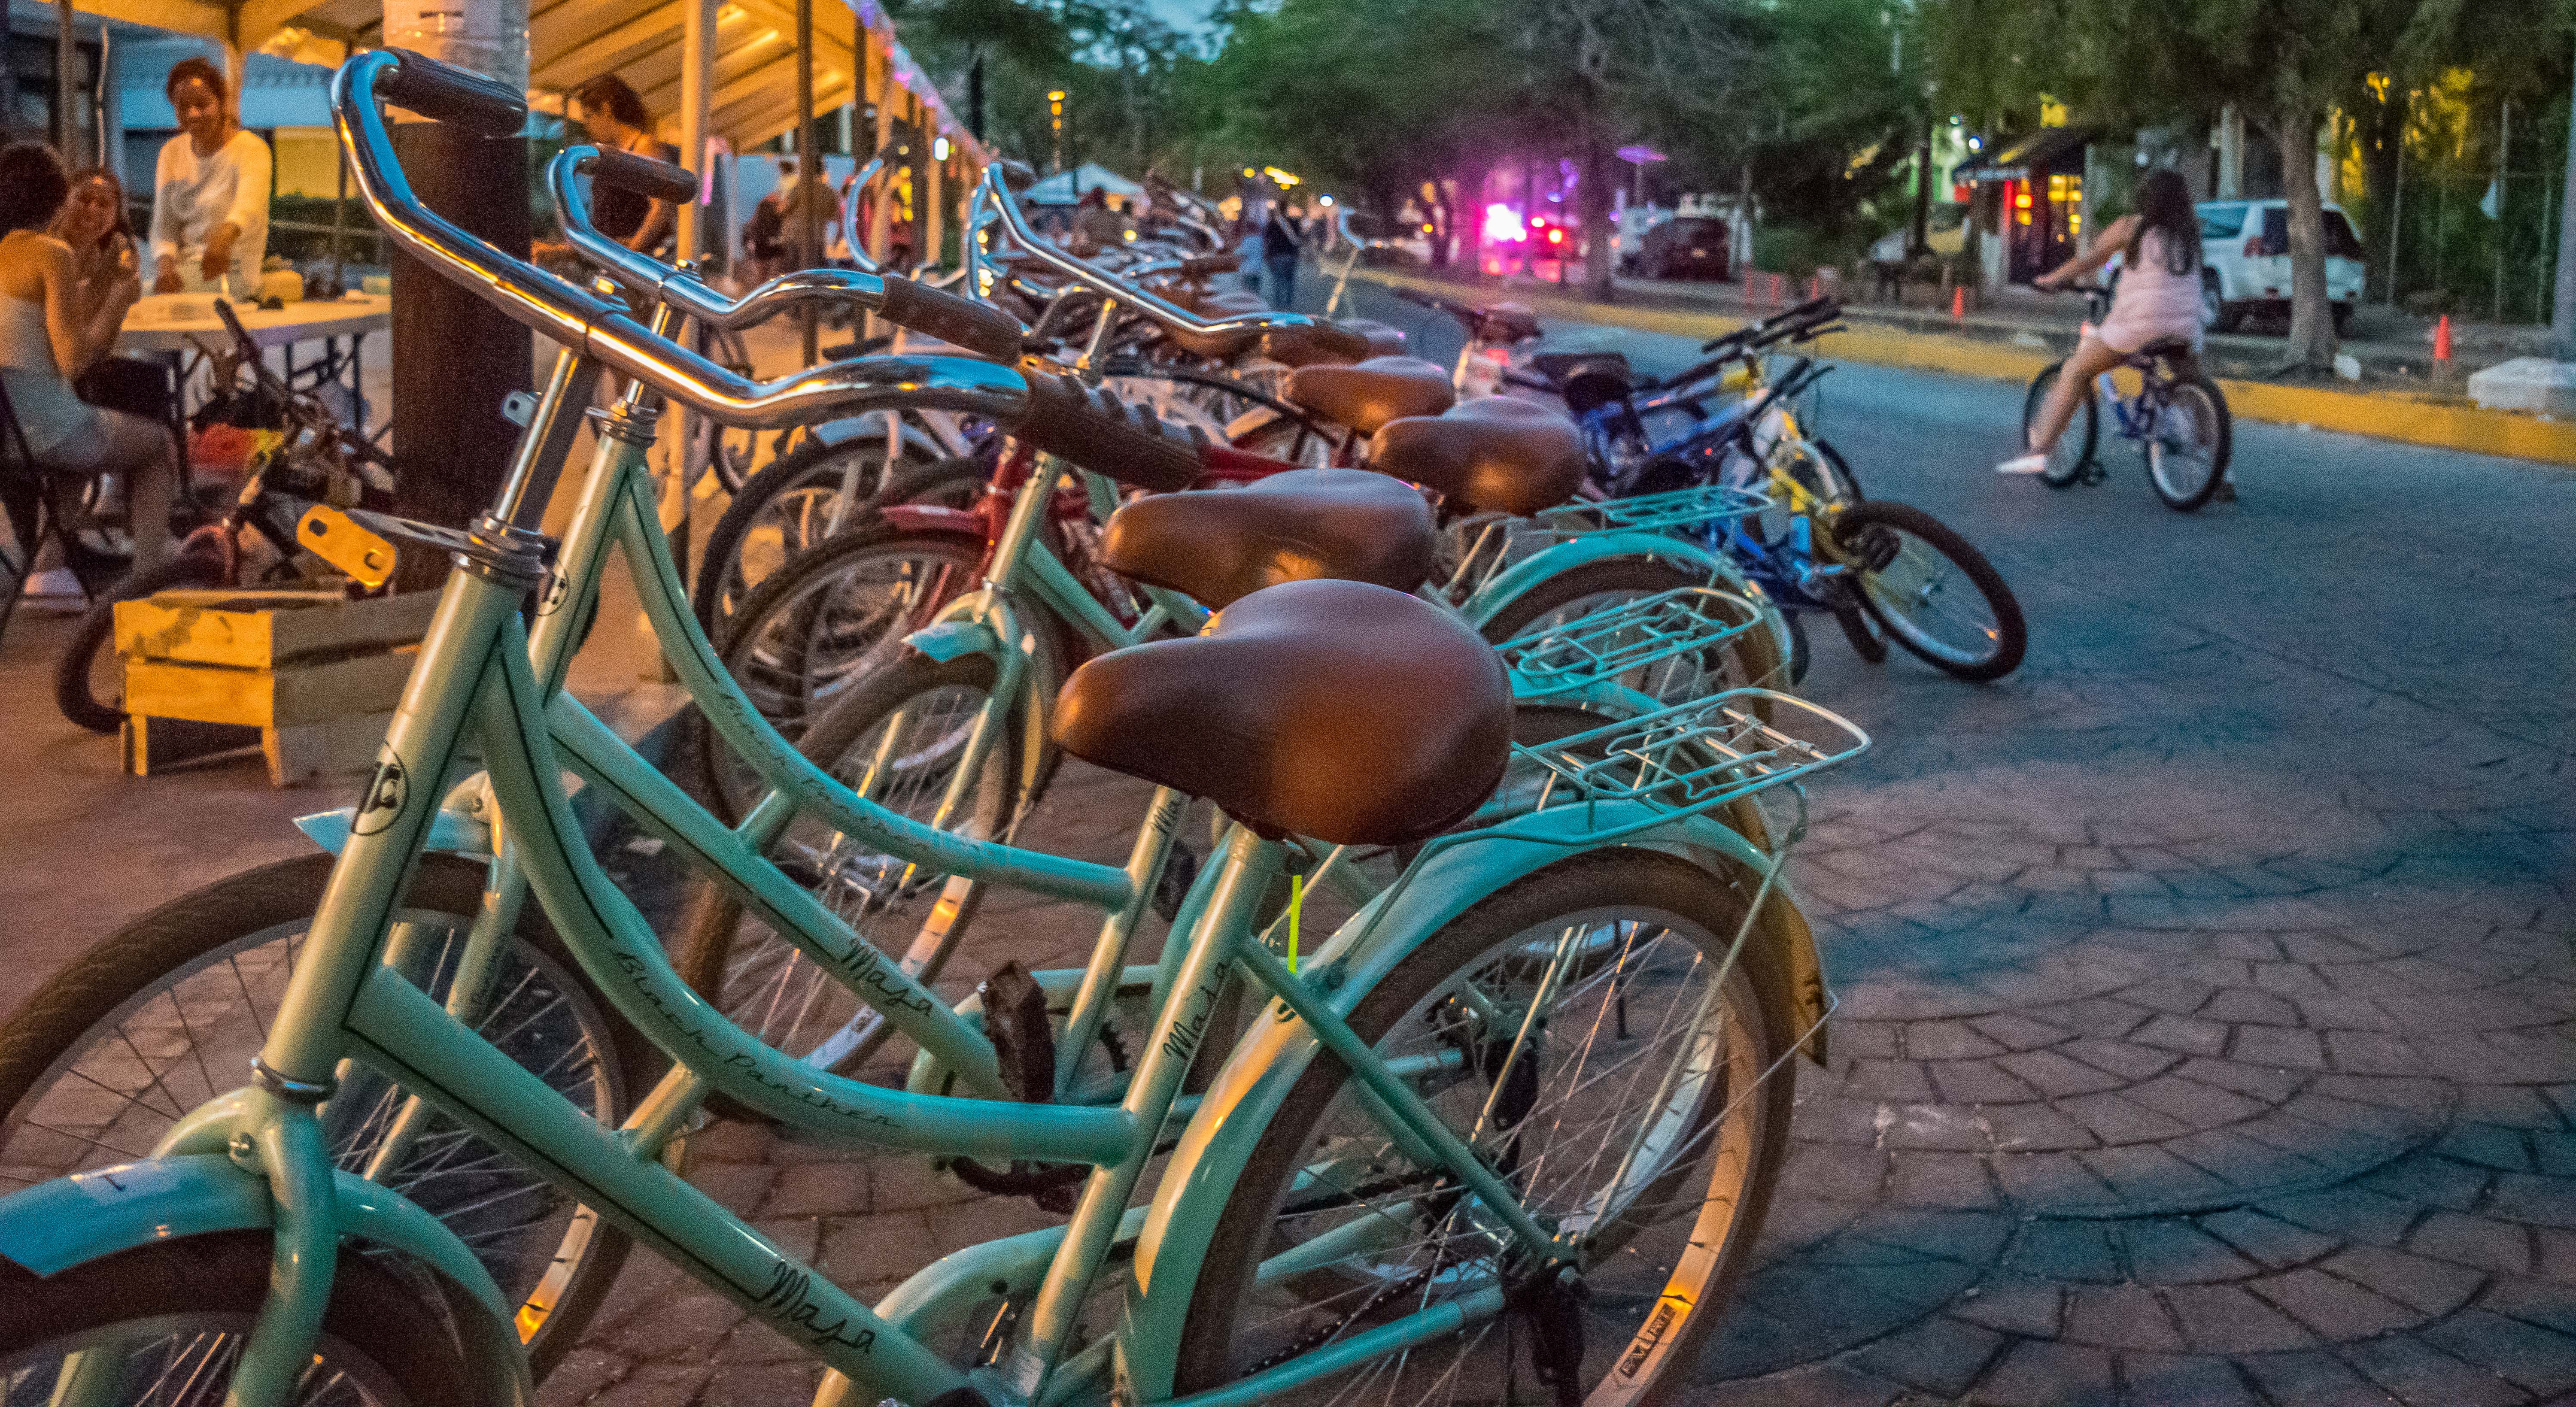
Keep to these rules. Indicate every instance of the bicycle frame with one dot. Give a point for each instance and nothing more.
(482, 681)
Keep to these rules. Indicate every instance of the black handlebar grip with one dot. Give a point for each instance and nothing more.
(446, 93)
(1105, 435)
(1210, 265)
(980, 328)
(642, 175)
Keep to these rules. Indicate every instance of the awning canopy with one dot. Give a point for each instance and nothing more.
(2016, 159)
(754, 87)
(1069, 187)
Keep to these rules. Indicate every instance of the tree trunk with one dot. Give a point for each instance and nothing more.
(1593, 199)
(1444, 218)
(2312, 339)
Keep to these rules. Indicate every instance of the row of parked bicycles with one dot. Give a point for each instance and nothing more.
(1455, 1049)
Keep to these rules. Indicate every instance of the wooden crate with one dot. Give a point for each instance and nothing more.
(308, 676)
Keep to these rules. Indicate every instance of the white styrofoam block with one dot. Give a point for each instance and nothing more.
(2526, 383)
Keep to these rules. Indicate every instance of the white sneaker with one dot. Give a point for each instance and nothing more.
(2027, 464)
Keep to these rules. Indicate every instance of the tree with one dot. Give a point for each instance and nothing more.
(2283, 63)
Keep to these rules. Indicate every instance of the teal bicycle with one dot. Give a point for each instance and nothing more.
(1540, 1081)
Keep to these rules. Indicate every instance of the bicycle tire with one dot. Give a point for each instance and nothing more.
(812, 468)
(1858, 631)
(2221, 435)
(1851, 531)
(1754, 1075)
(74, 681)
(1750, 659)
(719, 941)
(117, 978)
(380, 1334)
(2083, 430)
(793, 650)
(944, 483)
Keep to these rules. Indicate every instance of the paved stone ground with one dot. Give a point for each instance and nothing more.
(2206, 985)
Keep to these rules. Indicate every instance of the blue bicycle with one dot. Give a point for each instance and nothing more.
(1884, 571)
(2177, 418)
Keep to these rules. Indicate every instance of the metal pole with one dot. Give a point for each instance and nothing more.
(697, 68)
(2397, 210)
(2562, 315)
(63, 56)
(2504, 164)
(809, 168)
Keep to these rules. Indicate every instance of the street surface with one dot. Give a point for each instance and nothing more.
(2206, 985)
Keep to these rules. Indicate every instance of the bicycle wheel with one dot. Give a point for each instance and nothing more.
(2075, 446)
(2188, 451)
(780, 513)
(1751, 658)
(89, 679)
(1640, 1100)
(1859, 630)
(808, 632)
(896, 739)
(1935, 594)
(166, 1322)
(166, 1014)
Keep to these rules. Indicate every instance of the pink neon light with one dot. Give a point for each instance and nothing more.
(1503, 225)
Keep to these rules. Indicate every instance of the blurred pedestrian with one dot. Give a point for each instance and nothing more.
(1283, 234)
(612, 115)
(209, 192)
(1095, 226)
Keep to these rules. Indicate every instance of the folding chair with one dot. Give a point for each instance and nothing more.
(42, 505)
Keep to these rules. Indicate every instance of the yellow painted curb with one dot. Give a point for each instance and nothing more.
(2410, 419)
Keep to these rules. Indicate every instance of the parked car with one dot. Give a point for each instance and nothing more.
(2245, 262)
(1687, 246)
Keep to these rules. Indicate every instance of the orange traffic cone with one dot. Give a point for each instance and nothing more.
(1959, 300)
(2442, 339)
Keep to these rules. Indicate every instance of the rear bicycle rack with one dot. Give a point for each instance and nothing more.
(1612, 646)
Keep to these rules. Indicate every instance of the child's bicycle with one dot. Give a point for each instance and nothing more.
(311, 457)
(2177, 417)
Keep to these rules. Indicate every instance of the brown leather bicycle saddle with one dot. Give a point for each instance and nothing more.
(1495, 455)
(1290, 714)
(1334, 344)
(1218, 545)
(1372, 393)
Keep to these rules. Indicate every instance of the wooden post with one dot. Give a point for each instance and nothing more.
(809, 168)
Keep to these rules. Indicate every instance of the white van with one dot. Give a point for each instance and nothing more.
(2245, 262)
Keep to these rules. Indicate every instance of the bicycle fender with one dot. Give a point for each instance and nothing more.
(452, 831)
(71, 1221)
(932, 517)
(955, 639)
(1246, 1094)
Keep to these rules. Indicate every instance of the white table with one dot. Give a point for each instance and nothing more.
(169, 326)
(176, 322)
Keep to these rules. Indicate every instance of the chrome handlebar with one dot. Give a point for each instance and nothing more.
(992, 194)
(595, 327)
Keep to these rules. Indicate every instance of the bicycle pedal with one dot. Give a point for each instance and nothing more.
(1015, 1020)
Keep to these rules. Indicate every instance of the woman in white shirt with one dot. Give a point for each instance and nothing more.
(209, 193)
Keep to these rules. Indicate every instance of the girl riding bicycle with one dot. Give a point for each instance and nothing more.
(2158, 296)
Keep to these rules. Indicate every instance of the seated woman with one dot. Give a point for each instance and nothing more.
(209, 193)
(59, 312)
(613, 116)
